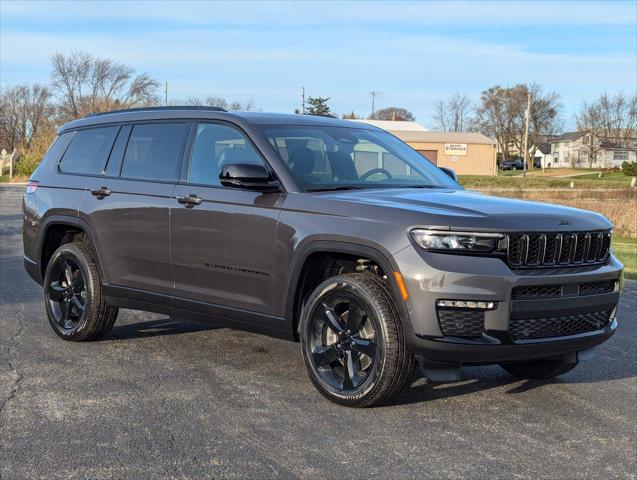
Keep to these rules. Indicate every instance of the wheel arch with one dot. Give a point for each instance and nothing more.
(60, 221)
(334, 247)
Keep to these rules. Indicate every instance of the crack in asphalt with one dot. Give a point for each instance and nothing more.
(18, 377)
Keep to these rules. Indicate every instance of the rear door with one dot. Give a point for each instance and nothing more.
(127, 207)
(223, 247)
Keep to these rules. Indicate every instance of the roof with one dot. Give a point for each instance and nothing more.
(568, 137)
(545, 148)
(443, 137)
(395, 126)
(241, 118)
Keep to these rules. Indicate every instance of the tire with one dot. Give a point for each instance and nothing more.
(538, 369)
(75, 308)
(357, 360)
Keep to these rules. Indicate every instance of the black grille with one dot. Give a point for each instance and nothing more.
(559, 326)
(461, 323)
(536, 291)
(557, 249)
(597, 288)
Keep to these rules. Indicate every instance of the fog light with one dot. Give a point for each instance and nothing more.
(471, 304)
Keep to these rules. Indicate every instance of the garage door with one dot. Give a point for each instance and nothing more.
(430, 154)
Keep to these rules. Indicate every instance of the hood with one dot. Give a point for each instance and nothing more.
(464, 209)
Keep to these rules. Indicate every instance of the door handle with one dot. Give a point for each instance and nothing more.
(100, 192)
(190, 200)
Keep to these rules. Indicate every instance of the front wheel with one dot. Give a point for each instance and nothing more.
(538, 369)
(352, 341)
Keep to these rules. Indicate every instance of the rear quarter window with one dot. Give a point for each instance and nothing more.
(89, 150)
(154, 151)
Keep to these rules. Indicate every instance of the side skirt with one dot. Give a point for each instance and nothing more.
(185, 309)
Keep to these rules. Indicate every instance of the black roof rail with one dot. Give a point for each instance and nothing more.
(154, 109)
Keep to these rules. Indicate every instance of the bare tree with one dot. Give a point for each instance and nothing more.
(589, 121)
(609, 120)
(25, 112)
(86, 84)
(212, 101)
(350, 116)
(393, 113)
(453, 114)
(544, 118)
(494, 117)
(500, 114)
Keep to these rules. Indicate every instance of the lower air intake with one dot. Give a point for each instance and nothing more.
(559, 326)
(461, 323)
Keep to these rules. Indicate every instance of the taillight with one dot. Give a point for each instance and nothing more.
(32, 186)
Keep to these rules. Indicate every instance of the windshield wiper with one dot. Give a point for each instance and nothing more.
(420, 186)
(332, 189)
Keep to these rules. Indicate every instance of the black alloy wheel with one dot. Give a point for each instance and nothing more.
(66, 293)
(73, 296)
(352, 340)
(343, 342)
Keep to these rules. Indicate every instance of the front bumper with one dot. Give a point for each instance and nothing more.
(434, 276)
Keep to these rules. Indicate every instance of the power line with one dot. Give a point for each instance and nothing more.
(374, 94)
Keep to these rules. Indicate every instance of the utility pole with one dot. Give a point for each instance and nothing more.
(526, 130)
(374, 94)
(166, 93)
(303, 100)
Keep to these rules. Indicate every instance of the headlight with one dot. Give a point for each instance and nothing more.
(457, 241)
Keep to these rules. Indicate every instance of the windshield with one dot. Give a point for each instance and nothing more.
(328, 158)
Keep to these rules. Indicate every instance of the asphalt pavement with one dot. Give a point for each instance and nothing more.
(165, 399)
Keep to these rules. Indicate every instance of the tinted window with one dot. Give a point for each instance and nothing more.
(154, 151)
(331, 157)
(214, 146)
(117, 152)
(89, 150)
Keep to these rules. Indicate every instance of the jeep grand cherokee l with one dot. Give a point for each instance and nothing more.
(326, 231)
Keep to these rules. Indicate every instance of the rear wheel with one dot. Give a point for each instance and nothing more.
(73, 295)
(538, 369)
(352, 341)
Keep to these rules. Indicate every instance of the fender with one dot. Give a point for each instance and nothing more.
(72, 222)
(383, 260)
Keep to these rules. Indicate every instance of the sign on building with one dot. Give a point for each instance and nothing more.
(456, 149)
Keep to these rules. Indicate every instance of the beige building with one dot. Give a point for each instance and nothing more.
(466, 153)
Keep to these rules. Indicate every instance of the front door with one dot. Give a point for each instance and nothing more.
(223, 241)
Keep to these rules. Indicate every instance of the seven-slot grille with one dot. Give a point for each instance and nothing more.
(530, 250)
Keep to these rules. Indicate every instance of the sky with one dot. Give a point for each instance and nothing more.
(415, 53)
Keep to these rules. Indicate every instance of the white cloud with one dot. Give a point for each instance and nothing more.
(343, 58)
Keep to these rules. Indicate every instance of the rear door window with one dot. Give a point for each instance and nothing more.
(89, 150)
(154, 151)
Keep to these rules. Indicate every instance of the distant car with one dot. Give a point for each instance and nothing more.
(513, 164)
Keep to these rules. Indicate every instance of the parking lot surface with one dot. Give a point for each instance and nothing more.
(164, 399)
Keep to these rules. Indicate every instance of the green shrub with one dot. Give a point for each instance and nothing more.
(630, 169)
(25, 166)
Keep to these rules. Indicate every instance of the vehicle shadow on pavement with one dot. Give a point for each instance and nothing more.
(422, 390)
(154, 328)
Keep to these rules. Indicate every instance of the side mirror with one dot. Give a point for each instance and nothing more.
(249, 176)
(450, 173)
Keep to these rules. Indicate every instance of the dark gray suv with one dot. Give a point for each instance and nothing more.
(330, 232)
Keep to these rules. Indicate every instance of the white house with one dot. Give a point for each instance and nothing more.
(572, 149)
